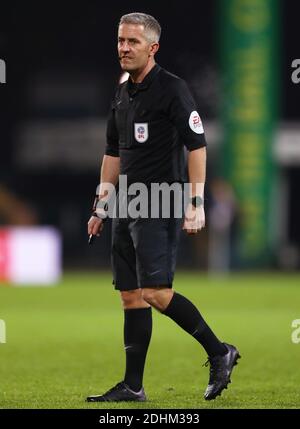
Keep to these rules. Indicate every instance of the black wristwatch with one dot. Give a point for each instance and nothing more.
(196, 201)
(98, 204)
(100, 215)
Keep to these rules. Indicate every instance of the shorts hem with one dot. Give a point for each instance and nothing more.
(144, 284)
(124, 288)
(156, 284)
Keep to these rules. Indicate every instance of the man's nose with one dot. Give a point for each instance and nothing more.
(125, 47)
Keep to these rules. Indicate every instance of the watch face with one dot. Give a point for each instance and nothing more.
(197, 201)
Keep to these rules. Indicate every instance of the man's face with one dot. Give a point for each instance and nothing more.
(133, 49)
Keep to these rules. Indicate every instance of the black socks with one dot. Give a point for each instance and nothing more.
(137, 335)
(187, 316)
(138, 329)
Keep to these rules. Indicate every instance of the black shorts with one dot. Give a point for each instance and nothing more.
(144, 251)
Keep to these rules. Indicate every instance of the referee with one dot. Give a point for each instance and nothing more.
(153, 118)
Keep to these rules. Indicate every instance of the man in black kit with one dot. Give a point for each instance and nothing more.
(153, 117)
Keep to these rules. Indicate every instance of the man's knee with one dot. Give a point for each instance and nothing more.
(131, 298)
(158, 297)
(149, 295)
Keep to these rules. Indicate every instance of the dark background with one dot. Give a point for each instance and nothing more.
(67, 43)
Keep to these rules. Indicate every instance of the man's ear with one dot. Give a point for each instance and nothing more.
(154, 48)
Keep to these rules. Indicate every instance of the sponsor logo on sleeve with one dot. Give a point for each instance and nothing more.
(195, 123)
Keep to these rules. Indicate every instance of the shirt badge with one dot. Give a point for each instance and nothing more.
(141, 132)
(195, 123)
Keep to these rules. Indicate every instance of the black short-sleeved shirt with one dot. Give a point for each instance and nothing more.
(150, 124)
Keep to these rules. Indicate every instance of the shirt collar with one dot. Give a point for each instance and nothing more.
(147, 79)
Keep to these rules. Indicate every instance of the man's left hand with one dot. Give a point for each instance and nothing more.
(194, 219)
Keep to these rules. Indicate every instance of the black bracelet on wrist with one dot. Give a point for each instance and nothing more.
(196, 201)
(100, 216)
(102, 205)
(98, 206)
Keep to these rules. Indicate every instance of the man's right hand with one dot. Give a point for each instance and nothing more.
(95, 225)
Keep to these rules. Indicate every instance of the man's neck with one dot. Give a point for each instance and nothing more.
(137, 76)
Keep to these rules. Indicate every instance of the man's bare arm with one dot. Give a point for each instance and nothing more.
(110, 171)
(195, 217)
(197, 171)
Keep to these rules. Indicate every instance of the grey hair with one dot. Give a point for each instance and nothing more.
(151, 25)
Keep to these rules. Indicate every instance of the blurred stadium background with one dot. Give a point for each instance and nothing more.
(61, 70)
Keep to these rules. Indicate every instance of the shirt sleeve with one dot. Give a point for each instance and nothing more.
(184, 116)
(112, 136)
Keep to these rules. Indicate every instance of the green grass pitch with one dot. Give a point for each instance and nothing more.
(64, 343)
